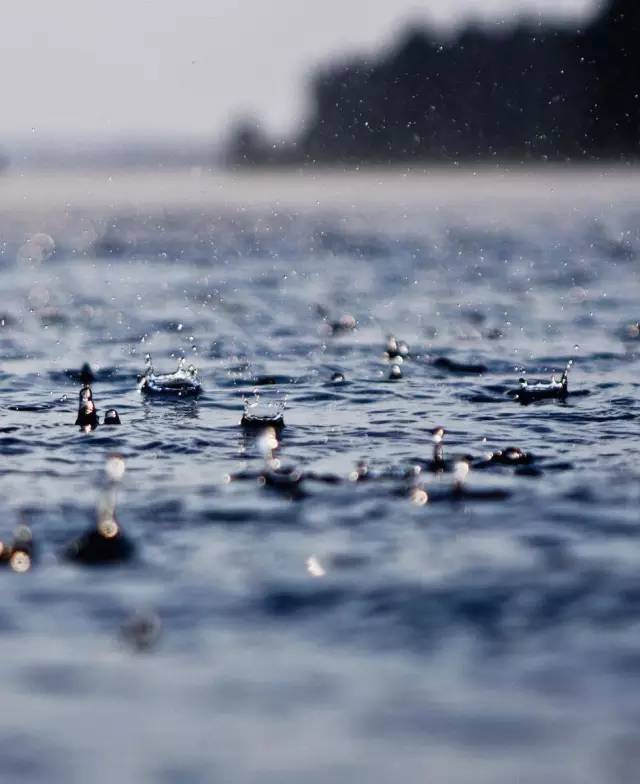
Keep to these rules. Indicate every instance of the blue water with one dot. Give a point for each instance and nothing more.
(344, 633)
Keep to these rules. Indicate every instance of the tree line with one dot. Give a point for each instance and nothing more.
(532, 92)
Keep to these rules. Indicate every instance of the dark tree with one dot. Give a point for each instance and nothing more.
(533, 92)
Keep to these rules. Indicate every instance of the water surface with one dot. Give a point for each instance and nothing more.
(463, 640)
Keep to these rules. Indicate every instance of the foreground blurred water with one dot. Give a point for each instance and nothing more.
(348, 634)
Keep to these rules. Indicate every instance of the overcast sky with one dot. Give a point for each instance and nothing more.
(97, 69)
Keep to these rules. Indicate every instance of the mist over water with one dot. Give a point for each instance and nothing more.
(357, 630)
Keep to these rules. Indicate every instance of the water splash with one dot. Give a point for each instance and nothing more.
(183, 382)
(544, 390)
(258, 415)
(104, 542)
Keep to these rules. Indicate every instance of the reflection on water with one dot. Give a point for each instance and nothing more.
(420, 565)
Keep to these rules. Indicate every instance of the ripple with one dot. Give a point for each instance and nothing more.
(431, 610)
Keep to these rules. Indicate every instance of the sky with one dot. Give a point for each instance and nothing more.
(96, 70)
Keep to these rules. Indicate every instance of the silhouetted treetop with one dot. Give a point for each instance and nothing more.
(534, 91)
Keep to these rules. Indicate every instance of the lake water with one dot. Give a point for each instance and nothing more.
(347, 631)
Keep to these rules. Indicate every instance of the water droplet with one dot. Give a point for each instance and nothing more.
(115, 468)
(314, 567)
(460, 472)
(419, 496)
(37, 248)
(20, 562)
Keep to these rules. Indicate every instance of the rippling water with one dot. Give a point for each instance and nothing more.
(347, 633)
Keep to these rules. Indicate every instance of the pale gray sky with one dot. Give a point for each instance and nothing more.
(104, 68)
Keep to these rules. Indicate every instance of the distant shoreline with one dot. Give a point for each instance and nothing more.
(329, 188)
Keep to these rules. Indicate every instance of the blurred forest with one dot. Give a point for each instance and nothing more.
(531, 92)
